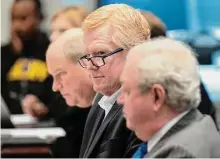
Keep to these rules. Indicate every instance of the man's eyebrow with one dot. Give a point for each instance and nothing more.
(57, 71)
(100, 50)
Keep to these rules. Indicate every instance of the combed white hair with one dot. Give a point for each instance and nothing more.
(173, 65)
(71, 44)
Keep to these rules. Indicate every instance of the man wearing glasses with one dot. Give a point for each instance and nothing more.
(109, 32)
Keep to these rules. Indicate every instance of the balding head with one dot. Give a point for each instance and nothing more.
(69, 44)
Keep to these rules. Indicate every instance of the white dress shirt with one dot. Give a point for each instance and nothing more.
(106, 102)
(155, 139)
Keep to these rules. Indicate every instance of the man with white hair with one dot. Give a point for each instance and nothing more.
(109, 32)
(75, 86)
(160, 94)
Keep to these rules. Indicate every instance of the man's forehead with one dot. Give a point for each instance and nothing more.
(126, 77)
(130, 67)
(107, 29)
(101, 35)
(135, 55)
(25, 5)
(55, 58)
(54, 49)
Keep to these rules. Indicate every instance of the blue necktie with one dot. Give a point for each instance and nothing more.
(141, 151)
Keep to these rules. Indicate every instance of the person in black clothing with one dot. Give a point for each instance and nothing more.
(23, 68)
(72, 120)
(75, 85)
(158, 29)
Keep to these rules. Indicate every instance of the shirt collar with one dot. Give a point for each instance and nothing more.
(106, 102)
(155, 139)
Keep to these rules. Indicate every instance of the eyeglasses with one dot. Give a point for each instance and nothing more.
(97, 60)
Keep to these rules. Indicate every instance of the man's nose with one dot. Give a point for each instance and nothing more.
(90, 66)
(56, 87)
(17, 25)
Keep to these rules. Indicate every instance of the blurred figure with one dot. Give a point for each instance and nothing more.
(158, 29)
(71, 119)
(24, 71)
(64, 19)
(109, 32)
(67, 18)
(160, 104)
(74, 84)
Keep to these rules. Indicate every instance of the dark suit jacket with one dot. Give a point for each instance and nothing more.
(112, 139)
(194, 136)
(72, 120)
(73, 123)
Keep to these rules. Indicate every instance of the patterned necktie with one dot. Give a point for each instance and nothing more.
(141, 151)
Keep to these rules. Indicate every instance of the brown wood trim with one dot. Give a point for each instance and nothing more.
(26, 150)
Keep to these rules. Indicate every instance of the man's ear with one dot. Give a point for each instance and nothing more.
(159, 95)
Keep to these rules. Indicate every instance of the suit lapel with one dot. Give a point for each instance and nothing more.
(185, 121)
(99, 117)
(115, 109)
(90, 122)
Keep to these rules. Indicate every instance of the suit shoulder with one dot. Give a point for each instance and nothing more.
(173, 151)
(200, 139)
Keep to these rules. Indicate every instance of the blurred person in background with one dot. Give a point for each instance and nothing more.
(160, 103)
(109, 32)
(74, 84)
(158, 29)
(64, 19)
(67, 18)
(71, 118)
(23, 68)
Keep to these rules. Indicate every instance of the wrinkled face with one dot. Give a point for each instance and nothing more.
(24, 18)
(58, 26)
(99, 42)
(68, 77)
(137, 107)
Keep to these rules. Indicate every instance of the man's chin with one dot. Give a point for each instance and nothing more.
(70, 103)
(98, 89)
(104, 89)
(129, 126)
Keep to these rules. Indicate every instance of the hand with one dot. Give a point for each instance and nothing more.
(31, 105)
(17, 44)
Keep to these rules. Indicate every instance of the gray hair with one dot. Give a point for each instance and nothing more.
(174, 66)
(71, 42)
